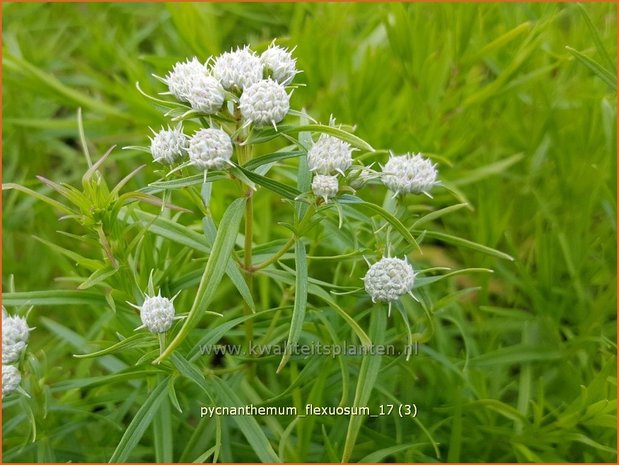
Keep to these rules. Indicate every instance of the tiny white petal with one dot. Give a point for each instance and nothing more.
(325, 186)
(11, 377)
(210, 148)
(409, 174)
(168, 145)
(265, 102)
(329, 155)
(389, 279)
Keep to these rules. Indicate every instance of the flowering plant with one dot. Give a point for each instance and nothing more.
(231, 137)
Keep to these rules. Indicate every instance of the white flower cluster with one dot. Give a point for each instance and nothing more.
(210, 148)
(168, 145)
(265, 102)
(388, 279)
(11, 377)
(15, 332)
(157, 313)
(325, 186)
(409, 174)
(253, 85)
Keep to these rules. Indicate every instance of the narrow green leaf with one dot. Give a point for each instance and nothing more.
(437, 214)
(98, 276)
(162, 426)
(215, 268)
(247, 424)
(272, 185)
(380, 455)
(300, 302)
(49, 81)
(605, 75)
(181, 183)
(166, 228)
(596, 38)
(141, 421)
(54, 203)
(270, 158)
(353, 140)
(233, 270)
(75, 257)
(368, 374)
(45, 298)
(360, 204)
(466, 243)
(132, 341)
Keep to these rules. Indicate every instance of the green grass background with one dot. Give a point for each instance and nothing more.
(523, 369)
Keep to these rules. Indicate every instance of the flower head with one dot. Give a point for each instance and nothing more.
(11, 377)
(181, 79)
(238, 69)
(265, 102)
(279, 62)
(388, 279)
(325, 186)
(329, 155)
(15, 334)
(157, 314)
(210, 148)
(168, 145)
(409, 174)
(206, 94)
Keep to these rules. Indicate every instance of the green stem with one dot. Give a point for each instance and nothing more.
(245, 153)
(289, 243)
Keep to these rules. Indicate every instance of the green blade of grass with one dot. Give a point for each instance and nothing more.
(596, 38)
(214, 271)
(285, 191)
(141, 421)
(131, 341)
(226, 396)
(360, 204)
(465, 243)
(300, 302)
(13, 62)
(605, 75)
(365, 383)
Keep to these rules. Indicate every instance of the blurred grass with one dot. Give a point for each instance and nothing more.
(522, 370)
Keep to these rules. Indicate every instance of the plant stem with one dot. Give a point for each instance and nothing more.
(245, 153)
(290, 243)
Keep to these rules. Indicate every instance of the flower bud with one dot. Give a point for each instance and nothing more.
(265, 102)
(409, 174)
(389, 279)
(210, 148)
